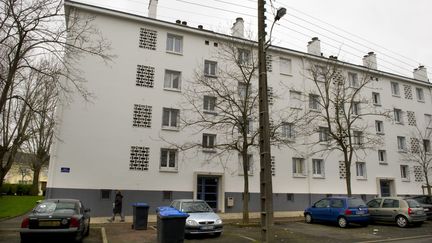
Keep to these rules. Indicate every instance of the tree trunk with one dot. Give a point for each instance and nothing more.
(35, 185)
(428, 185)
(347, 174)
(246, 187)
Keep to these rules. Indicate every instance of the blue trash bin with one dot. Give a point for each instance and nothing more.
(140, 216)
(170, 225)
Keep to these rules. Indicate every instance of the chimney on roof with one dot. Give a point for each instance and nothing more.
(152, 9)
(238, 28)
(184, 23)
(370, 60)
(314, 46)
(420, 73)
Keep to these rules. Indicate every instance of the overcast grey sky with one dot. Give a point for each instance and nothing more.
(399, 31)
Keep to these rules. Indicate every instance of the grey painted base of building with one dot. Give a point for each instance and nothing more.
(101, 205)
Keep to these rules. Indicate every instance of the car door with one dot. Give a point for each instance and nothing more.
(321, 209)
(337, 206)
(389, 209)
(374, 208)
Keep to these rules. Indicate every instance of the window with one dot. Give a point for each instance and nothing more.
(170, 118)
(382, 156)
(355, 108)
(285, 66)
(210, 68)
(166, 195)
(390, 203)
(168, 159)
(288, 130)
(426, 145)
(295, 99)
(358, 137)
(249, 164)
(353, 80)
(401, 144)
(361, 170)
(172, 80)
(376, 98)
(375, 203)
(313, 102)
(290, 197)
(379, 127)
(324, 134)
(323, 203)
(398, 116)
(209, 141)
(243, 89)
(404, 172)
(420, 94)
(209, 103)
(105, 194)
(174, 43)
(298, 167)
(249, 128)
(428, 120)
(395, 89)
(244, 56)
(337, 203)
(318, 167)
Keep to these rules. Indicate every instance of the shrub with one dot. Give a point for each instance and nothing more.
(16, 189)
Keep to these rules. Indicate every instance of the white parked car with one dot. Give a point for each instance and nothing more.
(202, 219)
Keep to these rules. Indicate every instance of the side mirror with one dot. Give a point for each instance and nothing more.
(87, 210)
(313, 206)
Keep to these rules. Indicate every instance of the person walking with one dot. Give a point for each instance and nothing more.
(117, 207)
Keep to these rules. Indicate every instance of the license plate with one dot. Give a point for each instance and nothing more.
(426, 209)
(420, 212)
(49, 223)
(360, 212)
(207, 227)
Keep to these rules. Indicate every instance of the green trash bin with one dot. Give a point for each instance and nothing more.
(140, 216)
(170, 225)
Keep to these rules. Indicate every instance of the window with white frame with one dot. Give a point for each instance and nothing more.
(209, 141)
(323, 134)
(420, 94)
(249, 165)
(210, 68)
(243, 89)
(353, 80)
(209, 103)
(404, 172)
(379, 127)
(358, 137)
(249, 126)
(426, 145)
(295, 99)
(398, 116)
(244, 56)
(395, 89)
(174, 43)
(318, 167)
(285, 66)
(168, 159)
(361, 170)
(376, 98)
(288, 131)
(382, 156)
(355, 108)
(172, 80)
(170, 118)
(298, 167)
(428, 120)
(401, 141)
(313, 102)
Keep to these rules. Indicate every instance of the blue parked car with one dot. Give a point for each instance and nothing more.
(341, 210)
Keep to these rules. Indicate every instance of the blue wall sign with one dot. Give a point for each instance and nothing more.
(64, 169)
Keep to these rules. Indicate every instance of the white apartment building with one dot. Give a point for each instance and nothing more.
(122, 139)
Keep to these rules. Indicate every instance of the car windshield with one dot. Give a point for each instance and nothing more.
(195, 207)
(356, 203)
(412, 203)
(51, 207)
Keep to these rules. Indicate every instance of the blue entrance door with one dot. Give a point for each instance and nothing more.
(208, 190)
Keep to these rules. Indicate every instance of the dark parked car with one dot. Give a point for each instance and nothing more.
(202, 219)
(341, 210)
(54, 218)
(426, 203)
(395, 209)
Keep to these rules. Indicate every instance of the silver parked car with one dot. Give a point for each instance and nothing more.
(202, 219)
(395, 209)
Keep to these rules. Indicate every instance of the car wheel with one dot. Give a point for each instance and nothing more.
(308, 218)
(401, 221)
(342, 222)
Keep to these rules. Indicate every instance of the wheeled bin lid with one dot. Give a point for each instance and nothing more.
(143, 205)
(169, 212)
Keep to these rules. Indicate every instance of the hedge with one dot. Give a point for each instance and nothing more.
(16, 189)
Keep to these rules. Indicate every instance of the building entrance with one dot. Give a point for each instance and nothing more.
(208, 190)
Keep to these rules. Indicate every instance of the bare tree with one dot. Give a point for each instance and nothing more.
(420, 152)
(223, 99)
(339, 96)
(32, 31)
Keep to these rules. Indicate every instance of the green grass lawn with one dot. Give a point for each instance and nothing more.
(12, 206)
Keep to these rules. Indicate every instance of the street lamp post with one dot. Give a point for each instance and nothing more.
(266, 188)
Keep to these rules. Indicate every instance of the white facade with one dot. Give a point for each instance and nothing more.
(96, 138)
